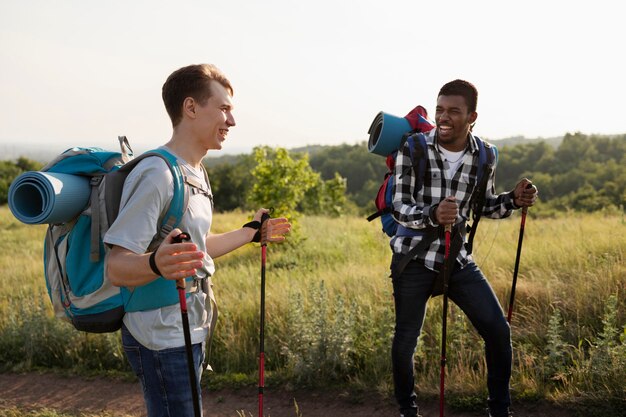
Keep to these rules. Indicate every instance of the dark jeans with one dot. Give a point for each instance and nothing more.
(469, 290)
(164, 376)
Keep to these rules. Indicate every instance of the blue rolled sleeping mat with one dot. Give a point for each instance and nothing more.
(37, 197)
(386, 133)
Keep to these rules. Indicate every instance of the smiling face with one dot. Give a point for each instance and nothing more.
(214, 117)
(454, 121)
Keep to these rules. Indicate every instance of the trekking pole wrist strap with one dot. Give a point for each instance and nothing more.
(153, 264)
(256, 225)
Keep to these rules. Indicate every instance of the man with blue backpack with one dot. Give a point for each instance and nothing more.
(198, 99)
(456, 184)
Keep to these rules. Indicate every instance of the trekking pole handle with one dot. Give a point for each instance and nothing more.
(263, 229)
(180, 238)
(525, 208)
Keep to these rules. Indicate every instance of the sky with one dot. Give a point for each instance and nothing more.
(82, 72)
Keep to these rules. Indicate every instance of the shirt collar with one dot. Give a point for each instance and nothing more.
(473, 146)
(431, 139)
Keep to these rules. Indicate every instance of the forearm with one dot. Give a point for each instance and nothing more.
(413, 216)
(128, 269)
(499, 206)
(223, 243)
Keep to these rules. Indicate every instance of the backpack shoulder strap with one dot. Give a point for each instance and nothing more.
(180, 200)
(208, 183)
(178, 205)
(487, 159)
(420, 159)
(487, 156)
(418, 151)
(199, 187)
(418, 148)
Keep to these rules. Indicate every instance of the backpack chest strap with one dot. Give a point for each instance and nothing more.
(197, 187)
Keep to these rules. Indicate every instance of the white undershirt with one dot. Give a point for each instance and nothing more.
(454, 160)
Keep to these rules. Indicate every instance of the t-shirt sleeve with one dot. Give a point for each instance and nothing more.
(148, 190)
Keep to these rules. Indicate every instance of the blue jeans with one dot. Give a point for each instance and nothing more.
(469, 290)
(164, 376)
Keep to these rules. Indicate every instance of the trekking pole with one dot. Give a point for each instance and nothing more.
(264, 217)
(517, 259)
(193, 382)
(444, 323)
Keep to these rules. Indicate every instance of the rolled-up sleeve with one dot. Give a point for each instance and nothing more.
(497, 206)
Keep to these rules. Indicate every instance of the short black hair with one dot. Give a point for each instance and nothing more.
(464, 89)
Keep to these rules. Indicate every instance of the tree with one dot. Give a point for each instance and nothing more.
(231, 182)
(280, 181)
(363, 171)
(25, 164)
(326, 197)
(10, 170)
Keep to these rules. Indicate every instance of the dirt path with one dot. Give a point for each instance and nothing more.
(99, 395)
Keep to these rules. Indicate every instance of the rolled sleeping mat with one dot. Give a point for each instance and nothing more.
(386, 133)
(37, 197)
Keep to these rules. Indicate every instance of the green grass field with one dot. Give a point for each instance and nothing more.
(330, 314)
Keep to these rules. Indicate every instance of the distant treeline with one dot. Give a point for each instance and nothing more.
(582, 172)
(585, 173)
(9, 170)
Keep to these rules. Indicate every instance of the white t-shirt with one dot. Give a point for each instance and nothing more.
(454, 159)
(147, 192)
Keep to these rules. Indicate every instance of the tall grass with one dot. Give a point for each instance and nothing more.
(329, 311)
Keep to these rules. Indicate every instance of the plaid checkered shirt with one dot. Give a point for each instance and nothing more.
(415, 209)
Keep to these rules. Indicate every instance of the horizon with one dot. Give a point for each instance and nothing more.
(12, 151)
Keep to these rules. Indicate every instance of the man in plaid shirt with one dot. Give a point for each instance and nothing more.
(449, 181)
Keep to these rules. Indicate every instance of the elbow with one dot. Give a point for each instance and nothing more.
(396, 208)
(115, 281)
(112, 270)
(112, 276)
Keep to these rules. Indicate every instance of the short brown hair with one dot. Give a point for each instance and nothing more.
(191, 81)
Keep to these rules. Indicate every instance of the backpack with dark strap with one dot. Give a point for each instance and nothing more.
(382, 139)
(74, 251)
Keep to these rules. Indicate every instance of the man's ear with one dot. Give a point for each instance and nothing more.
(473, 117)
(189, 107)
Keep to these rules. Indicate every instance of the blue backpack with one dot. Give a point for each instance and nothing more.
(418, 149)
(74, 252)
